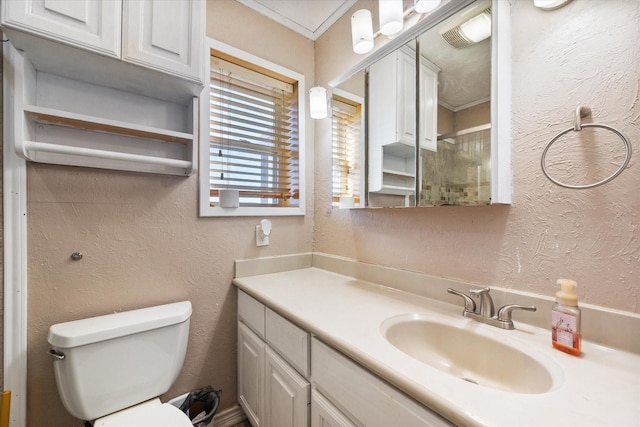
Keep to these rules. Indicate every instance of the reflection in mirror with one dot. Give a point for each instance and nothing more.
(456, 171)
(392, 129)
(347, 142)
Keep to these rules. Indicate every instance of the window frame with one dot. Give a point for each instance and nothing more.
(206, 210)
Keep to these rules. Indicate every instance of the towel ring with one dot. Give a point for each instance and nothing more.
(580, 113)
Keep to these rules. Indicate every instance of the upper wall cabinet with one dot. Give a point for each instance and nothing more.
(63, 37)
(87, 24)
(109, 84)
(164, 35)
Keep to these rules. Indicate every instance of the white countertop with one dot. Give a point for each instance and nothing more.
(601, 387)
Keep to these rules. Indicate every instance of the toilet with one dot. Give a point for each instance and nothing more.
(112, 369)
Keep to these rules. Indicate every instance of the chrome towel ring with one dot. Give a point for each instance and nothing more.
(582, 112)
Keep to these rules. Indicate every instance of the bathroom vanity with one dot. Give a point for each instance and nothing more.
(319, 343)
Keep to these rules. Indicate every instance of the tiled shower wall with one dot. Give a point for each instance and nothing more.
(458, 173)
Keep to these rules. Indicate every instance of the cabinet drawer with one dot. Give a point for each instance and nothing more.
(289, 340)
(363, 396)
(251, 312)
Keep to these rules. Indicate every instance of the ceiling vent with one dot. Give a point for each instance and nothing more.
(464, 35)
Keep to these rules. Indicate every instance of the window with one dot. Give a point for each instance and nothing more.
(347, 146)
(255, 150)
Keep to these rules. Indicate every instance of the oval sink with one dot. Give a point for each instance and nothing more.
(470, 355)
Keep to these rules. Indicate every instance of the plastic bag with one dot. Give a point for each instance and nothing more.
(201, 405)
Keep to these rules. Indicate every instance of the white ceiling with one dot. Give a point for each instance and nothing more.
(310, 18)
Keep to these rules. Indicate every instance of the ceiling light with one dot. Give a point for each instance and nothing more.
(477, 28)
(362, 31)
(391, 16)
(424, 6)
(550, 4)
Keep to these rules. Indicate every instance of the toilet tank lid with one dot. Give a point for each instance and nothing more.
(101, 328)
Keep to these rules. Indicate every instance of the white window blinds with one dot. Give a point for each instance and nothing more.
(346, 150)
(254, 136)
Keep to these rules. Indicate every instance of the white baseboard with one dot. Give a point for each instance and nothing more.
(229, 417)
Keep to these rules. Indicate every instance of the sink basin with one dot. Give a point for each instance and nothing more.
(477, 356)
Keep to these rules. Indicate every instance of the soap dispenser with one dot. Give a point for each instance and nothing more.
(565, 319)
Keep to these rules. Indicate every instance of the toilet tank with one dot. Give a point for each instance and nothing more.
(107, 363)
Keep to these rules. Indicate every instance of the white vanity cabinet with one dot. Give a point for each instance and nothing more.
(325, 414)
(167, 36)
(273, 367)
(365, 398)
(279, 363)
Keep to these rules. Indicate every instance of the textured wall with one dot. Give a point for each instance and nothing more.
(585, 53)
(144, 244)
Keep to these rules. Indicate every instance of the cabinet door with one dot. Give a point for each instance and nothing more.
(165, 35)
(324, 414)
(286, 394)
(406, 119)
(88, 24)
(429, 108)
(250, 374)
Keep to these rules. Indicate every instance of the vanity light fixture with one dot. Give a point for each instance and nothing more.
(550, 4)
(424, 6)
(318, 102)
(391, 18)
(362, 31)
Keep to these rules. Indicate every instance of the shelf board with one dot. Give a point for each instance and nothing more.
(396, 190)
(398, 173)
(51, 116)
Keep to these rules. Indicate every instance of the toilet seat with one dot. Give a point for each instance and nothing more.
(151, 413)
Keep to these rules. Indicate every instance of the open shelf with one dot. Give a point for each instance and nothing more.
(51, 116)
(399, 174)
(59, 120)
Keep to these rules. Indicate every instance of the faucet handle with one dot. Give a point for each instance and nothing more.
(486, 308)
(504, 314)
(469, 304)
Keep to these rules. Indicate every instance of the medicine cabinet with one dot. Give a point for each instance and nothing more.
(438, 112)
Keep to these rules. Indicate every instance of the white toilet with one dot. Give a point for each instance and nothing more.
(112, 368)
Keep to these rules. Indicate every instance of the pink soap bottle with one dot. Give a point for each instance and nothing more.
(565, 319)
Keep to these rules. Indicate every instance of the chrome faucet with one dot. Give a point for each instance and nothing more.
(484, 310)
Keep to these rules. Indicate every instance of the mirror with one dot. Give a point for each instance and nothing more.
(447, 146)
(456, 168)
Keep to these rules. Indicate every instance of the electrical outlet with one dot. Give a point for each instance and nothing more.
(261, 239)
